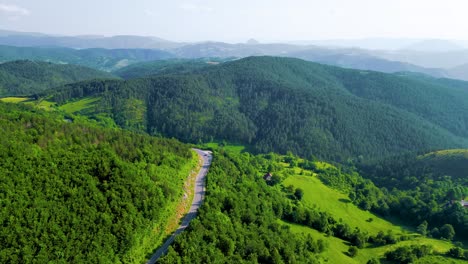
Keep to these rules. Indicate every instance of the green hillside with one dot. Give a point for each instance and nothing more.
(337, 248)
(452, 162)
(318, 195)
(30, 77)
(282, 104)
(245, 217)
(101, 59)
(74, 192)
(170, 66)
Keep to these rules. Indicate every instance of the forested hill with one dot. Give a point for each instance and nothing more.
(101, 59)
(73, 192)
(26, 77)
(171, 66)
(281, 104)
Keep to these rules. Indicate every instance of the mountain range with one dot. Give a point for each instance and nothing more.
(284, 104)
(437, 58)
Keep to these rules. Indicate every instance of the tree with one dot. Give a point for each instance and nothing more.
(435, 232)
(456, 252)
(422, 228)
(299, 193)
(353, 251)
(373, 261)
(447, 232)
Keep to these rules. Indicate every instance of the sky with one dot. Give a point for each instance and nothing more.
(239, 20)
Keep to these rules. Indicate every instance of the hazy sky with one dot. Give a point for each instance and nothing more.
(238, 20)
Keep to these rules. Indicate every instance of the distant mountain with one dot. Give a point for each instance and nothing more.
(445, 60)
(102, 59)
(360, 59)
(221, 49)
(120, 51)
(459, 72)
(365, 43)
(348, 58)
(4, 33)
(26, 39)
(169, 66)
(434, 45)
(282, 104)
(28, 77)
(252, 42)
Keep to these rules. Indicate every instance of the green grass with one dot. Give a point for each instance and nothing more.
(80, 105)
(14, 99)
(452, 162)
(317, 194)
(323, 165)
(46, 105)
(84, 104)
(336, 248)
(42, 104)
(447, 152)
(230, 147)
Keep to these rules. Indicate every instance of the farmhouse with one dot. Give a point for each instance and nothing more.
(464, 203)
(267, 177)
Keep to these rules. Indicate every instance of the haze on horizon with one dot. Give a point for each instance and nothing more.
(237, 21)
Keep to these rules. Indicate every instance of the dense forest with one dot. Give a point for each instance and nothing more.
(71, 191)
(29, 77)
(168, 66)
(282, 104)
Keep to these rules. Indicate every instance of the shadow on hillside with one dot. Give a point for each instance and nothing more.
(343, 200)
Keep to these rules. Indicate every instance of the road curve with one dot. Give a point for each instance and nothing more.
(196, 203)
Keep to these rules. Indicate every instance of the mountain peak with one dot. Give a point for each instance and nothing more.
(252, 42)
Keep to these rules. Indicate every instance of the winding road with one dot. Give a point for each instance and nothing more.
(196, 203)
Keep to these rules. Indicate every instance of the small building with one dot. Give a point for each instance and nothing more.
(464, 203)
(267, 177)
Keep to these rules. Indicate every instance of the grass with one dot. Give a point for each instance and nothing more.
(42, 104)
(230, 147)
(84, 104)
(317, 194)
(336, 248)
(14, 99)
(323, 165)
(80, 105)
(447, 152)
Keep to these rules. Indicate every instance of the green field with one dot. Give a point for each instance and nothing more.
(233, 148)
(14, 99)
(316, 194)
(70, 108)
(446, 152)
(42, 104)
(337, 248)
(81, 105)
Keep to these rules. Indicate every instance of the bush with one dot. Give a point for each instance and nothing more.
(353, 251)
(299, 193)
(373, 261)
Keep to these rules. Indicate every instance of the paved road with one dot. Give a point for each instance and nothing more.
(196, 203)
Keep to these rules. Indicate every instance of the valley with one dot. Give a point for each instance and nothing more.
(140, 150)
